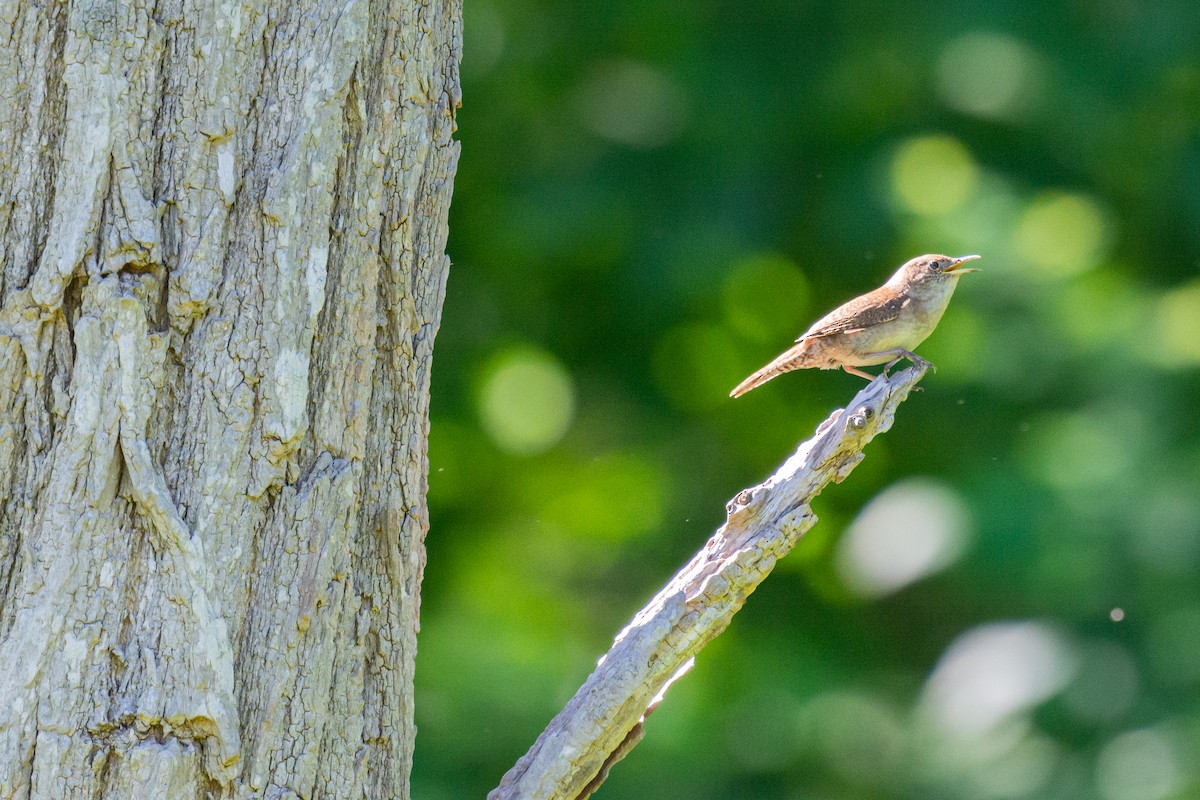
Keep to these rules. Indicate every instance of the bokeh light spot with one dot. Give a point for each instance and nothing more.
(1177, 320)
(1060, 235)
(933, 174)
(994, 671)
(632, 104)
(765, 298)
(1138, 765)
(910, 530)
(527, 400)
(988, 75)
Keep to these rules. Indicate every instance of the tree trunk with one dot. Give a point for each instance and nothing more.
(222, 244)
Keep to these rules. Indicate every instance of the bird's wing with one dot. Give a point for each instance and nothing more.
(875, 308)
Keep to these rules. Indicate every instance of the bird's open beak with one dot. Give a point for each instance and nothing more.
(956, 266)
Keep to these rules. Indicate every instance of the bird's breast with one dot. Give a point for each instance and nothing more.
(911, 327)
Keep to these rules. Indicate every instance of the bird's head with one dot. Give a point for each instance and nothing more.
(932, 273)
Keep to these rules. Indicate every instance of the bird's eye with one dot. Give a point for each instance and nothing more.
(936, 266)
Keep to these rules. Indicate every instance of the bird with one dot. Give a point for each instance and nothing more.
(884, 325)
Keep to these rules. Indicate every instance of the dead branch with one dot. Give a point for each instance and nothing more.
(604, 720)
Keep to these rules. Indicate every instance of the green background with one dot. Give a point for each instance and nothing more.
(653, 200)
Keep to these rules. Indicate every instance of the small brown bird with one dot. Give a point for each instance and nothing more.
(884, 325)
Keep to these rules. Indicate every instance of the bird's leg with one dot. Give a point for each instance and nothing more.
(858, 372)
(900, 354)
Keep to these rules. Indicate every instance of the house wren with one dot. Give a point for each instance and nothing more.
(884, 325)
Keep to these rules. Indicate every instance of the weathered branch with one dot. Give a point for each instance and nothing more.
(603, 721)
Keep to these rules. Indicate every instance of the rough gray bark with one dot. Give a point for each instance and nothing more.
(222, 261)
(603, 721)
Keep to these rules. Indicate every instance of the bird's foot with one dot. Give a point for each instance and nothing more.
(916, 360)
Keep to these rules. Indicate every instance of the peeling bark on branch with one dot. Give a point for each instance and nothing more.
(603, 721)
(222, 262)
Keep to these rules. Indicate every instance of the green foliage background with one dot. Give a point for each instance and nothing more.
(654, 199)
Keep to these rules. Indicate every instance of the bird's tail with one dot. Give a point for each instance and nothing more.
(784, 363)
